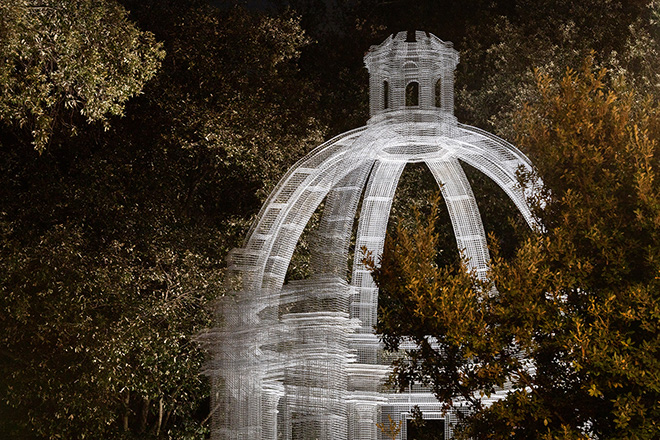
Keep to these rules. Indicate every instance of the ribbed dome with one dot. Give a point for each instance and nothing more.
(301, 360)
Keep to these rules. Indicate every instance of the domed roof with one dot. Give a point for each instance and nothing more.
(300, 359)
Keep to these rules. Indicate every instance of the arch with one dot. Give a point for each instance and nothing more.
(438, 92)
(300, 190)
(412, 94)
(409, 67)
(296, 197)
(285, 236)
(501, 162)
(411, 37)
(372, 229)
(463, 212)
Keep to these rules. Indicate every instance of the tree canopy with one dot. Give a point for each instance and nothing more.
(67, 60)
(113, 238)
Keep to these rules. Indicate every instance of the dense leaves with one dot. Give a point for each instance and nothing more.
(71, 60)
(113, 240)
(546, 35)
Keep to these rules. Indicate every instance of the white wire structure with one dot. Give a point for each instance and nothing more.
(301, 360)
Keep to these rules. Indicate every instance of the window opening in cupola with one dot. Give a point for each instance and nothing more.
(386, 95)
(412, 94)
(411, 37)
(438, 93)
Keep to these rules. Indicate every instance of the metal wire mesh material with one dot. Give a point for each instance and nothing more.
(301, 360)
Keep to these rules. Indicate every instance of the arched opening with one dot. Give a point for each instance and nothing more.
(412, 94)
(411, 37)
(386, 95)
(438, 93)
(414, 194)
(503, 221)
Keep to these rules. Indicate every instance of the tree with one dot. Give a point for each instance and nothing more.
(64, 62)
(545, 35)
(113, 241)
(113, 230)
(573, 328)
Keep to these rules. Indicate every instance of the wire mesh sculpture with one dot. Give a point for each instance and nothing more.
(301, 360)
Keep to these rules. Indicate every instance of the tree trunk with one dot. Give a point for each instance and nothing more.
(160, 416)
(167, 417)
(127, 409)
(144, 414)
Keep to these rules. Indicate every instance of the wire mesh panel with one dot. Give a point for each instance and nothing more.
(371, 238)
(301, 360)
(463, 212)
(330, 246)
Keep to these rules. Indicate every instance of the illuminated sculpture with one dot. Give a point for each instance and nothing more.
(301, 360)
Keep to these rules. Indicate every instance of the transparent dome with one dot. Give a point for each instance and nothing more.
(301, 360)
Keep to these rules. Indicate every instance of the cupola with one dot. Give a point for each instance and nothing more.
(411, 73)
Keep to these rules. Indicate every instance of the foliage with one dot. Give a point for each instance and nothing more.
(94, 334)
(572, 329)
(113, 230)
(392, 429)
(546, 35)
(63, 58)
(113, 240)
